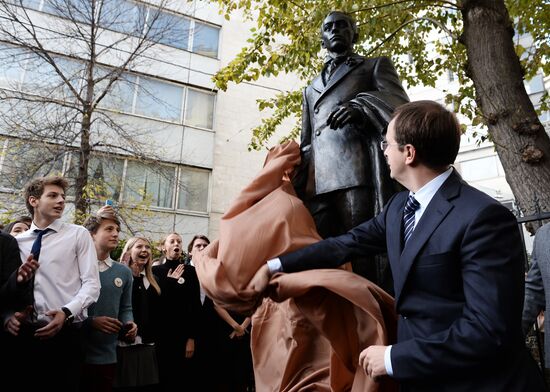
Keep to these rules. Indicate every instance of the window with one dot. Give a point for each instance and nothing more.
(41, 78)
(130, 18)
(23, 161)
(122, 16)
(480, 169)
(11, 66)
(205, 40)
(535, 85)
(33, 4)
(105, 176)
(77, 10)
(121, 95)
(199, 110)
(169, 29)
(158, 99)
(450, 76)
(193, 189)
(151, 184)
(109, 177)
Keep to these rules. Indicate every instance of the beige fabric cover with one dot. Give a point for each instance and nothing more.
(308, 333)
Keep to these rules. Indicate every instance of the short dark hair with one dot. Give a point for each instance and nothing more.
(432, 129)
(93, 222)
(36, 187)
(196, 237)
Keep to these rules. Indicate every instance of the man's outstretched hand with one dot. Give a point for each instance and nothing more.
(261, 279)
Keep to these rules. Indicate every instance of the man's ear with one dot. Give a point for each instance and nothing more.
(33, 201)
(410, 154)
(323, 44)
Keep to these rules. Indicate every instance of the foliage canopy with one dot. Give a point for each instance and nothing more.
(423, 38)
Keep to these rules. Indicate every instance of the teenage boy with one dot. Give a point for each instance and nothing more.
(111, 315)
(64, 286)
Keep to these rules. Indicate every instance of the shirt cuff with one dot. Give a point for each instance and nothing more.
(274, 265)
(387, 361)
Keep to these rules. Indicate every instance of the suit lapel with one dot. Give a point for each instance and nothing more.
(435, 213)
(317, 84)
(344, 69)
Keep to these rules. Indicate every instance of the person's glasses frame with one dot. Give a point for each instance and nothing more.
(384, 144)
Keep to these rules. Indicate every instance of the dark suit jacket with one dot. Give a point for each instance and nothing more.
(349, 156)
(12, 295)
(537, 287)
(458, 290)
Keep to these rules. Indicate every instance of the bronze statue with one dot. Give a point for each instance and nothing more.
(344, 179)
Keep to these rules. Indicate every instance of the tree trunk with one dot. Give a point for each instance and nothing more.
(81, 200)
(520, 139)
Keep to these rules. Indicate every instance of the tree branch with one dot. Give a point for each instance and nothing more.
(442, 3)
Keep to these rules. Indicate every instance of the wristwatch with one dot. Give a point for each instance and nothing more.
(69, 317)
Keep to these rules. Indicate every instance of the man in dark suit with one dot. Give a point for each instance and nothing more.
(14, 276)
(456, 258)
(537, 290)
(343, 178)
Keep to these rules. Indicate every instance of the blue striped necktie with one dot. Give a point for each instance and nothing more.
(408, 217)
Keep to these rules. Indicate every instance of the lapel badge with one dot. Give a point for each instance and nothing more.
(181, 281)
(118, 282)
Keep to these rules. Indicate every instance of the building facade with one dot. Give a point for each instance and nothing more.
(169, 148)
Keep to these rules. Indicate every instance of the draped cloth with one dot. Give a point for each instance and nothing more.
(308, 331)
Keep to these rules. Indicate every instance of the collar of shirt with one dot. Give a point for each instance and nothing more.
(425, 194)
(69, 273)
(55, 226)
(104, 265)
(339, 58)
(146, 282)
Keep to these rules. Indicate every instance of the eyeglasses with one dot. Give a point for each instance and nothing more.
(384, 144)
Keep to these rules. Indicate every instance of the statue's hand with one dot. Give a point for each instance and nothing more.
(344, 114)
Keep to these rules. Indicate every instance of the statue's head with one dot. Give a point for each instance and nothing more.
(338, 32)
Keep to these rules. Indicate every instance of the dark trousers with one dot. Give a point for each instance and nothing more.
(58, 358)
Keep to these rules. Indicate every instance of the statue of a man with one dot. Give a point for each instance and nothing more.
(344, 179)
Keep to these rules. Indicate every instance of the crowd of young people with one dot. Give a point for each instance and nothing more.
(73, 314)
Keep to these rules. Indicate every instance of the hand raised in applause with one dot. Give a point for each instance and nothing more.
(27, 270)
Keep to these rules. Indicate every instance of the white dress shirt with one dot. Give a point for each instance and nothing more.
(146, 282)
(68, 275)
(104, 265)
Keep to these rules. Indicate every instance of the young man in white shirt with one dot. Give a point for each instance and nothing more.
(64, 286)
